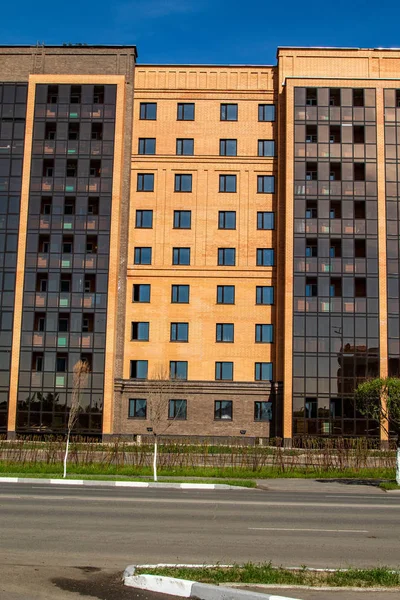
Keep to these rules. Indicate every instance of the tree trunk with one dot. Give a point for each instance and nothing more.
(66, 456)
(398, 464)
(155, 459)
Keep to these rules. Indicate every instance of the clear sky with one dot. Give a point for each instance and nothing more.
(203, 31)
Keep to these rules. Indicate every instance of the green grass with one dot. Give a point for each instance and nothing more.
(389, 485)
(268, 574)
(213, 473)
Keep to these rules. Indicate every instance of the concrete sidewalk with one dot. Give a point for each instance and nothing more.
(345, 486)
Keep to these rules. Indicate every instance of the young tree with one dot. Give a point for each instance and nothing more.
(379, 399)
(81, 370)
(157, 411)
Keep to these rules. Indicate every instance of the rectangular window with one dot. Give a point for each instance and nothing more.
(264, 294)
(311, 408)
(225, 332)
(178, 369)
(266, 148)
(148, 111)
(311, 209)
(138, 369)
(223, 410)
(262, 411)
(358, 97)
(265, 257)
(179, 332)
(311, 287)
(69, 205)
(177, 409)
(142, 256)
(180, 294)
(183, 183)
(137, 408)
(311, 248)
(228, 147)
(185, 111)
(61, 364)
(264, 334)
(265, 220)
(263, 371)
(145, 182)
(227, 183)
(265, 184)
(147, 146)
(266, 112)
(226, 257)
(181, 256)
(311, 96)
(140, 331)
(141, 292)
(227, 219)
(229, 112)
(225, 294)
(224, 371)
(182, 219)
(37, 363)
(65, 284)
(144, 219)
(185, 146)
(311, 134)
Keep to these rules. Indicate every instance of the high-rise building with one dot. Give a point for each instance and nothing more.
(232, 230)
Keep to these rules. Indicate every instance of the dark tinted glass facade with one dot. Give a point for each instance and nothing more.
(336, 325)
(12, 132)
(67, 255)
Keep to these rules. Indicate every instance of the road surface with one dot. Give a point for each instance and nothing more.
(93, 532)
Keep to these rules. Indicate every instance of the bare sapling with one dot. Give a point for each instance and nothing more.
(81, 371)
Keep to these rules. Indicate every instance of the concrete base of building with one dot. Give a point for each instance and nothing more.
(287, 442)
(11, 435)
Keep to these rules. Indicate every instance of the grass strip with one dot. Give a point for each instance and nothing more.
(234, 482)
(389, 485)
(95, 468)
(267, 574)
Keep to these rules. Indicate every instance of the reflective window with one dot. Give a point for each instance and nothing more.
(224, 371)
(225, 294)
(263, 371)
(137, 408)
(148, 111)
(177, 409)
(229, 112)
(223, 410)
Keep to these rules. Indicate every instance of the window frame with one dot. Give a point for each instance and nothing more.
(260, 291)
(225, 109)
(145, 363)
(140, 182)
(175, 362)
(140, 339)
(224, 144)
(219, 370)
(143, 143)
(177, 285)
(138, 255)
(221, 287)
(259, 333)
(262, 112)
(143, 113)
(174, 335)
(224, 178)
(264, 179)
(140, 213)
(178, 179)
(181, 108)
(220, 410)
(258, 371)
(262, 217)
(177, 219)
(219, 333)
(176, 253)
(265, 257)
(222, 252)
(222, 215)
(176, 416)
(180, 145)
(132, 414)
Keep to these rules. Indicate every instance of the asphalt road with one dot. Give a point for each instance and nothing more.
(78, 534)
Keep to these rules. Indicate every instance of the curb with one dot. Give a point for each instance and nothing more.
(190, 589)
(129, 484)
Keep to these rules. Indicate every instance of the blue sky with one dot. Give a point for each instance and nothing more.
(203, 31)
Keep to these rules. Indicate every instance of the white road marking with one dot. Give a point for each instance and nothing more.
(317, 530)
(143, 500)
